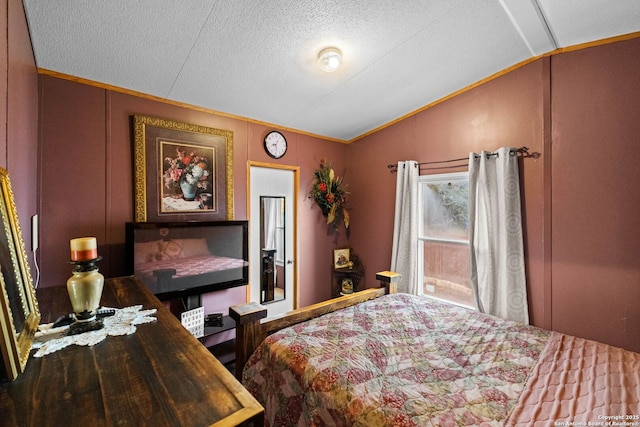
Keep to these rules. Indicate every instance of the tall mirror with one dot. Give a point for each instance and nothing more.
(19, 312)
(273, 251)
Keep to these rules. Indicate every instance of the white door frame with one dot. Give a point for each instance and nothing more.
(292, 254)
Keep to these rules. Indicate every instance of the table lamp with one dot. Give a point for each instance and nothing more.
(85, 285)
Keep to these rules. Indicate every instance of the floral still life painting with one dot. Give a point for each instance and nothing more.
(187, 176)
(183, 171)
(330, 195)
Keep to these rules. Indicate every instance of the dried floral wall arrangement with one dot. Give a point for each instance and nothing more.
(330, 195)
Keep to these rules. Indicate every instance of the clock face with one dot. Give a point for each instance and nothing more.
(275, 144)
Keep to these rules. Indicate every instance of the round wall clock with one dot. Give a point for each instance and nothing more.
(275, 144)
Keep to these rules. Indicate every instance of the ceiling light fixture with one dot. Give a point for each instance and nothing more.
(330, 59)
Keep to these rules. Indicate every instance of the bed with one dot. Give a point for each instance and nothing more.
(394, 359)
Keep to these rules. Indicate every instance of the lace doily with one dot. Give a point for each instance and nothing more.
(49, 339)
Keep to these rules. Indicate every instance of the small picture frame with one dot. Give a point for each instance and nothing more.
(341, 258)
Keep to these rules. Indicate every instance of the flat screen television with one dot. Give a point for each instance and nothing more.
(182, 259)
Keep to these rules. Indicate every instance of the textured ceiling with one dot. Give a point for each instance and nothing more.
(257, 59)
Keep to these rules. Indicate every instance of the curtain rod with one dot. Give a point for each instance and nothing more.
(523, 151)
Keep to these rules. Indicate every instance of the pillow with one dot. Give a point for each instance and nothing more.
(194, 247)
(159, 250)
(146, 251)
(172, 249)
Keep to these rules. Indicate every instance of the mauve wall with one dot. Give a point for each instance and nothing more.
(87, 179)
(507, 111)
(596, 193)
(581, 200)
(19, 111)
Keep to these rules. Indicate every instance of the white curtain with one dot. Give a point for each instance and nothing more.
(272, 212)
(271, 208)
(495, 235)
(404, 255)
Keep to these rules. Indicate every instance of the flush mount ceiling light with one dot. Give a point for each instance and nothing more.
(330, 59)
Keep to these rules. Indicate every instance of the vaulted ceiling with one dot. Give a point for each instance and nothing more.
(258, 59)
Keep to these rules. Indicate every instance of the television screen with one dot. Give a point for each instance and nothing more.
(180, 259)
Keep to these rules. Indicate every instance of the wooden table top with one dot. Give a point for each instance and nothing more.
(159, 376)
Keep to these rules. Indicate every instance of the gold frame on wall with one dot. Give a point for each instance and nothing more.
(19, 311)
(339, 253)
(151, 136)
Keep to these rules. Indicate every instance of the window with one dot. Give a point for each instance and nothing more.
(444, 238)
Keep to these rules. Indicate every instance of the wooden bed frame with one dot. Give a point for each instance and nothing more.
(250, 331)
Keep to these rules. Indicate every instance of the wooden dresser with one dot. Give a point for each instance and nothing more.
(159, 376)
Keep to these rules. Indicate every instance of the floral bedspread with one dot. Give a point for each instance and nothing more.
(398, 360)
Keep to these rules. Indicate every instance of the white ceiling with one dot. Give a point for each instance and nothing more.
(257, 59)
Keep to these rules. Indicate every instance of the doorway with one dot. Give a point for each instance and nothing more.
(272, 214)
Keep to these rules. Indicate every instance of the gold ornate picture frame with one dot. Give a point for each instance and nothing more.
(19, 312)
(183, 172)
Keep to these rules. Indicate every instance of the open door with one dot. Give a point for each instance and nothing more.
(272, 208)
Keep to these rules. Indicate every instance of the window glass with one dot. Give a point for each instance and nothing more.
(445, 209)
(444, 238)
